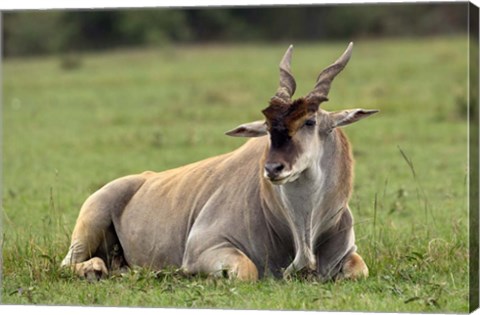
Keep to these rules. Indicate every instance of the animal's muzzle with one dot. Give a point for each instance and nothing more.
(273, 170)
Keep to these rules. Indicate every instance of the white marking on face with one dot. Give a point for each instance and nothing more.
(284, 177)
(311, 152)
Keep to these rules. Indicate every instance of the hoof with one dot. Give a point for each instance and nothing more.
(92, 270)
(354, 268)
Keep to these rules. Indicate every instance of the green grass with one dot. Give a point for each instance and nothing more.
(67, 132)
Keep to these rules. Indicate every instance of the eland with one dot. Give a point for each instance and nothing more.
(276, 206)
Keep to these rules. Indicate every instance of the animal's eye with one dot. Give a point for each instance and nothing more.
(310, 122)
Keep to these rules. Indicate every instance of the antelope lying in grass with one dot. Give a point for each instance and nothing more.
(275, 206)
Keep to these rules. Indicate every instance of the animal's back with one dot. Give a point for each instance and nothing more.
(207, 196)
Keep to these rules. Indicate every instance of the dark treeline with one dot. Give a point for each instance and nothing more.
(63, 31)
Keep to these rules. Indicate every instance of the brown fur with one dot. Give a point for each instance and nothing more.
(289, 116)
(92, 269)
(243, 269)
(345, 165)
(354, 268)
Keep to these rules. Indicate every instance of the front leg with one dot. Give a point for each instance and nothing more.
(354, 268)
(336, 252)
(304, 261)
(219, 261)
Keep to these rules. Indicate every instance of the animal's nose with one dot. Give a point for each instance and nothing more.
(273, 169)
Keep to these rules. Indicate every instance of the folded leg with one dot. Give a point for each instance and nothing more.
(221, 261)
(336, 252)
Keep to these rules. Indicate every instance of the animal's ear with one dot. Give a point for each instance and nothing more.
(253, 129)
(349, 116)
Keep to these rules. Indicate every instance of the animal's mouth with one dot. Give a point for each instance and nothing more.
(281, 179)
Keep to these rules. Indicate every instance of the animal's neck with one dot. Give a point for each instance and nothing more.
(313, 203)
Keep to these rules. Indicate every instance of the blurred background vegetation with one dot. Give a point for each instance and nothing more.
(64, 31)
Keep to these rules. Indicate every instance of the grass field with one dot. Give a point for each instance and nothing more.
(67, 132)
